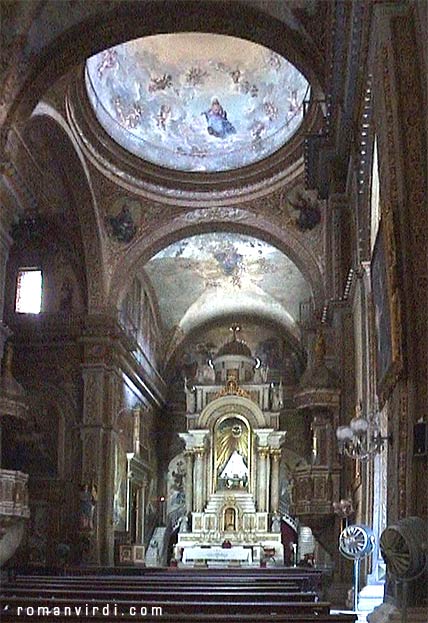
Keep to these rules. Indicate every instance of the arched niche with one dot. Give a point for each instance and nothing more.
(232, 453)
(240, 405)
(220, 410)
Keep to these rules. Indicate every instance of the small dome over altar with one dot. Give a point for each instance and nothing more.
(235, 347)
(234, 360)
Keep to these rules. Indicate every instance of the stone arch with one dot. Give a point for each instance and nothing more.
(77, 177)
(222, 406)
(73, 38)
(290, 243)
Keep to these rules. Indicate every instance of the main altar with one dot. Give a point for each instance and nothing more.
(232, 453)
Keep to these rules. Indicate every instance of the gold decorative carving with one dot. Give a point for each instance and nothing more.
(232, 389)
(276, 455)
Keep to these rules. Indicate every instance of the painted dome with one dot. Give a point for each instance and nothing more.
(196, 102)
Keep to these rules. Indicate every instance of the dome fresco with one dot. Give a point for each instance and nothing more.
(196, 102)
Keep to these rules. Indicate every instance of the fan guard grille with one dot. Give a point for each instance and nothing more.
(356, 542)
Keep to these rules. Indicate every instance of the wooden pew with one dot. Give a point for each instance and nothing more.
(217, 595)
(12, 606)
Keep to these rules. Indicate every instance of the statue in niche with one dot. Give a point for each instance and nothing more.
(230, 520)
(232, 454)
(276, 397)
(190, 397)
(88, 501)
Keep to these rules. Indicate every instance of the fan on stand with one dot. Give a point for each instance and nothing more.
(355, 543)
(404, 548)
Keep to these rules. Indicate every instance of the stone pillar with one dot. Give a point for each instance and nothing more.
(189, 480)
(263, 435)
(195, 441)
(198, 478)
(274, 481)
(6, 242)
(98, 454)
(143, 488)
(262, 479)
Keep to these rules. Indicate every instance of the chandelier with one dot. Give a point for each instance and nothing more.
(361, 439)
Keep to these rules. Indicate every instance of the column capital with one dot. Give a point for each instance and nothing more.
(195, 438)
(276, 439)
(263, 435)
(263, 451)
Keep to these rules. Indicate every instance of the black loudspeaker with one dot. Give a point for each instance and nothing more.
(420, 439)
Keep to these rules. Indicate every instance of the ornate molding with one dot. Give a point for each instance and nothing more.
(232, 389)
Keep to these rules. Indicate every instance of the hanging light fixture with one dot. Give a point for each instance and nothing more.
(362, 438)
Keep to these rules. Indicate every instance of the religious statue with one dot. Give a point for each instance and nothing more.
(229, 520)
(88, 501)
(190, 397)
(277, 397)
(183, 524)
(276, 523)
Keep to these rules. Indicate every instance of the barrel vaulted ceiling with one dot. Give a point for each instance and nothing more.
(218, 274)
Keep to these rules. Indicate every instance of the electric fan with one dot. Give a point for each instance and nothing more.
(404, 548)
(355, 543)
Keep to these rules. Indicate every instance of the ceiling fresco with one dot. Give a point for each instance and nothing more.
(195, 101)
(220, 274)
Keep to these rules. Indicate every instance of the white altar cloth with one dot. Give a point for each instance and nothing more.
(243, 554)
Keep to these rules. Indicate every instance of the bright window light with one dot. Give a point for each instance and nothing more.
(29, 291)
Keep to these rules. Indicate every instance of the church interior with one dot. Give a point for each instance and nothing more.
(213, 337)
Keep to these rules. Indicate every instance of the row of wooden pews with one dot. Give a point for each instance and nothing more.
(175, 596)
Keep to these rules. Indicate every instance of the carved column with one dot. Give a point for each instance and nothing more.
(195, 441)
(262, 484)
(189, 480)
(274, 480)
(99, 409)
(198, 478)
(262, 468)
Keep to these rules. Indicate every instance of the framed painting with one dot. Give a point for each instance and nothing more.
(386, 313)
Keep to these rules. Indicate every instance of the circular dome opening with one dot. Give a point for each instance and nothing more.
(196, 101)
